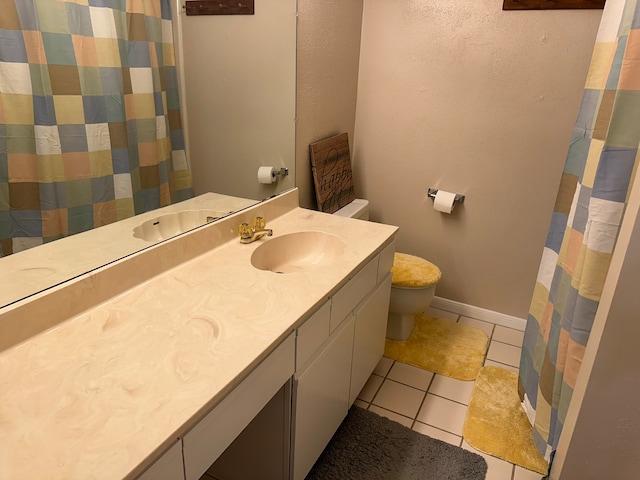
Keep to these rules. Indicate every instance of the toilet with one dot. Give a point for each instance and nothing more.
(413, 285)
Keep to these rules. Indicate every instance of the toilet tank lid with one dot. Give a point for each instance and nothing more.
(352, 209)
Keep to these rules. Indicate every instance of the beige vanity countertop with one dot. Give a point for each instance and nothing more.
(102, 393)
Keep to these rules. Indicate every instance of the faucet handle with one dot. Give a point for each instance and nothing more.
(245, 230)
(259, 223)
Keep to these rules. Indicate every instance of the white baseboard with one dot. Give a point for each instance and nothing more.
(479, 313)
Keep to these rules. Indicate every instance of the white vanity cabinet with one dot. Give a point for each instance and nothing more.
(337, 349)
(330, 357)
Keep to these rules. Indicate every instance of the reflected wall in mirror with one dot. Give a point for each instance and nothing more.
(236, 130)
(239, 74)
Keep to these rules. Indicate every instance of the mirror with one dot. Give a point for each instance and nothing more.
(236, 76)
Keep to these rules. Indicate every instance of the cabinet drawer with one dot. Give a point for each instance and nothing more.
(386, 260)
(205, 442)
(353, 292)
(312, 334)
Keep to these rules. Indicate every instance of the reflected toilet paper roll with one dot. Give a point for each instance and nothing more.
(444, 201)
(267, 175)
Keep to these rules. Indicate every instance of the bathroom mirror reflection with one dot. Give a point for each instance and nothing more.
(236, 81)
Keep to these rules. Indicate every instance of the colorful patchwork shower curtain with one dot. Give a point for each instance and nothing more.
(597, 178)
(90, 129)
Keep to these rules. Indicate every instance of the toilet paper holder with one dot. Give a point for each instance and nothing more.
(431, 193)
(269, 175)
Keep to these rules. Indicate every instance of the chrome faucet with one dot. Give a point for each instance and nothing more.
(249, 234)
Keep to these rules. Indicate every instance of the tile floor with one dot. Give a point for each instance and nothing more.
(436, 405)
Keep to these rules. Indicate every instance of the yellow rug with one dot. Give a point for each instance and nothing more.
(441, 346)
(496, 423)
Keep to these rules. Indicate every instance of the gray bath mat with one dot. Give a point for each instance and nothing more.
(368, 446)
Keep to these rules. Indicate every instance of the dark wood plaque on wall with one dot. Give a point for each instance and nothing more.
(220, 7)
(331, 167)
(551, 4)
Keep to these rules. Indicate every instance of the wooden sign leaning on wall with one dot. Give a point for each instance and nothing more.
(331, 167)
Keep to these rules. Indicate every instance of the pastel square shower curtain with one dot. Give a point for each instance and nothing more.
(597, 178)
(90, 128)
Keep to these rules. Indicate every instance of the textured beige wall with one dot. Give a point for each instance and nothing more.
(327, 78)
(467, 98)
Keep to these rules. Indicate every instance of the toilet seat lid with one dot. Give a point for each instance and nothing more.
(411, 271)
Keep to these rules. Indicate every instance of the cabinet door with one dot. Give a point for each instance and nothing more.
(370, 332)
(321, 399)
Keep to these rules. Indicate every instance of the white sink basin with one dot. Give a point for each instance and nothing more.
(297, 252)
(171, 224)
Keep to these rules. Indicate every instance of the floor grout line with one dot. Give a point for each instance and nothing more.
(447, 398)
(424, 397)
(507, 343)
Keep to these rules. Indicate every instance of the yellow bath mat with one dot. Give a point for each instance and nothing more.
(496, 423)
(441, 346)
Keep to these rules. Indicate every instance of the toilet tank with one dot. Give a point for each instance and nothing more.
(359, 208)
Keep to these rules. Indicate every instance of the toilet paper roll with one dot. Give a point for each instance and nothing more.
(266, 175)
(444, 201)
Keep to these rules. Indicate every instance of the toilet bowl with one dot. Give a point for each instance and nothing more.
(413, 285)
